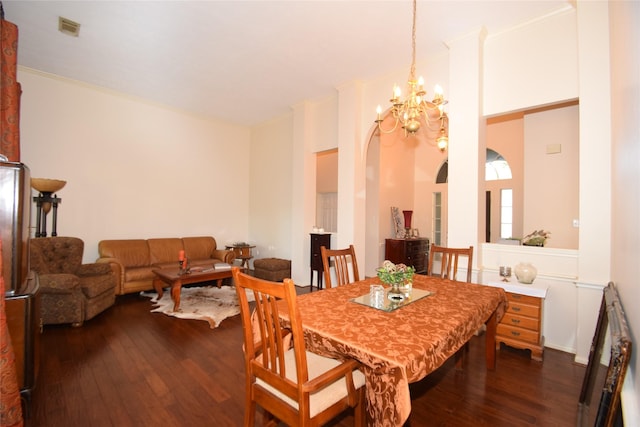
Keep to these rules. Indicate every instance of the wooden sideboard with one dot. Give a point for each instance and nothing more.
(318, 240)
(411, 252)
(521, 326)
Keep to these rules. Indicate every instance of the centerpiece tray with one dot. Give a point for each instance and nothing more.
(388, 304)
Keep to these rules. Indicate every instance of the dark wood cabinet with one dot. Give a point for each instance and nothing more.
(318, 240)
(411, 252)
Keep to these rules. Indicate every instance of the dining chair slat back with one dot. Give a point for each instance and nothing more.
(448, 261)
(344, 261)
(291, 384)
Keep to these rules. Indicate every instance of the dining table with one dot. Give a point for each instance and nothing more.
(401, 343)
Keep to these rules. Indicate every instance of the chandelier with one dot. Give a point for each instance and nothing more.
(409, 112)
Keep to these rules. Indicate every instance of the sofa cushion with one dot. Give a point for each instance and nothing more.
(164, 250)
(130, 253)
(136, 274)
(199, 247)
(172, 264)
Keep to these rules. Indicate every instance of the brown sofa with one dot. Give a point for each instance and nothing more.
(132, 261)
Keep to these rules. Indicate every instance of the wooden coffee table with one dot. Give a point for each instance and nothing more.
(173, 278)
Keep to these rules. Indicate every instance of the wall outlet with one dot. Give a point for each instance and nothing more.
(576, 223)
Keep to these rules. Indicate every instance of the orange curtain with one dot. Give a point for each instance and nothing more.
(9, 92)
(10, 404)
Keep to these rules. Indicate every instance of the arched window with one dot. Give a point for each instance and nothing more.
(443, 173)
(496, 167)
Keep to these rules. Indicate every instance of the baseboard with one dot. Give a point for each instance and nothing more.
(629, 398)
(563, 349)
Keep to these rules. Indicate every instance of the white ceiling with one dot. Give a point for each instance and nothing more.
(245, 61)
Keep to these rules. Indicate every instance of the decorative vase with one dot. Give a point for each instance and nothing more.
(525, 273)
(407, 223)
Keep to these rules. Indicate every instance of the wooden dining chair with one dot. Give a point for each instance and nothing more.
(343, 260)
(448, 259)
(291, 384)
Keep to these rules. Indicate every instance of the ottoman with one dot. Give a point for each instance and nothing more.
(272, 269)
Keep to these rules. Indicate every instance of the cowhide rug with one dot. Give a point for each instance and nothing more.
(208, 303)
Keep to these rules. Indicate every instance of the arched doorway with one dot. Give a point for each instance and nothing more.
(400, 172)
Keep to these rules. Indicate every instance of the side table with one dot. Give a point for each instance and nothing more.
(315, 263)
(242, 252)
(521, 326)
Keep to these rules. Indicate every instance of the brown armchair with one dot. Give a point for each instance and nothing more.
(71, 292)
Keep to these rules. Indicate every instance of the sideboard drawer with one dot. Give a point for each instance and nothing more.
(523, 309)
(519, 334)
(520, 321)
(524, 299)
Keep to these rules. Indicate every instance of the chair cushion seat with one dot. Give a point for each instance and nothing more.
(93, 286)
(317, 365)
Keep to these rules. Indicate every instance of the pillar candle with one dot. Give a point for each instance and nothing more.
(181, 256)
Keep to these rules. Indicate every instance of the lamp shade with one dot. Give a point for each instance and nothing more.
(45, 185)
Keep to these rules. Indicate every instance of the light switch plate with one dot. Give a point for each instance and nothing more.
(554, 148)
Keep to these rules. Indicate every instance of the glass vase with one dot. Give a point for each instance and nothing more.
(395, 293)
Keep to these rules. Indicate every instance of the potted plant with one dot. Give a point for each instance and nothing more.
(396, 276)
(537, 238)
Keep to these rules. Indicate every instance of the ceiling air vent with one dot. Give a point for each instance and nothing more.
(67, 26)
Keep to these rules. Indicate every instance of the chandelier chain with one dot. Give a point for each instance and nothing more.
(412, 72)
(414, 109)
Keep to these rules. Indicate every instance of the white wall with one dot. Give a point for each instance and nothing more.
(133, 169)
(270, 175)
(625, 232)
(532, 64)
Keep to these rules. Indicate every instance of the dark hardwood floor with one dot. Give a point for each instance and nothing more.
(130, 367)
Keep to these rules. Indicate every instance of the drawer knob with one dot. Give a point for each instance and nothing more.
(516, 308)
(515, 320)
(515, 333)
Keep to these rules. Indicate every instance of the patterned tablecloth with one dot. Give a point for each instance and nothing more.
(399, 347)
